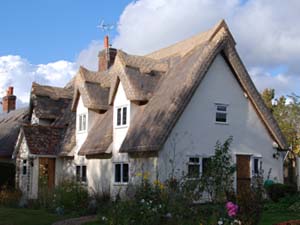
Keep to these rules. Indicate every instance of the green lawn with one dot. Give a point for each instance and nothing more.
(268, 218)
(13, 216)
(273, 217)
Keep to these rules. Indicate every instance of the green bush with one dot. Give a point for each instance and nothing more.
(68, 197)
(10, 197)
(277, 191)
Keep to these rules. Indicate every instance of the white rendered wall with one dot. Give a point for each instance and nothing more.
(30, 180)
(196, 132)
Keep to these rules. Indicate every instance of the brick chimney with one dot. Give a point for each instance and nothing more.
(107, 56)
(9, 101)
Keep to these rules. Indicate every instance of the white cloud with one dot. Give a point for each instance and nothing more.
(88, 57)
(18, 72)
(282, 83)
(266, 32)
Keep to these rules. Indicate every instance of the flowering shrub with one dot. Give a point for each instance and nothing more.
(232, 209)
(9, 197)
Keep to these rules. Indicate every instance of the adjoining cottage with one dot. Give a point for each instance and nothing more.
(10, 123)
(161, 113)
(47, 141)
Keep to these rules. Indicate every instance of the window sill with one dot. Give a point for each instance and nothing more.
(82, 132)
(121, 127)
(222, 123)
(120, 184)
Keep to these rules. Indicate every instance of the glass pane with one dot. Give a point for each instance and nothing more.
(205, 165)
(194, 159)
(256, 166)
(117, 173)
(221, 117)
(80, 123)
(124, 122)
(193, 171)
(119, 117)
(77, 173)
(125, 173)
(222, 108)
(24, 170)
(83, 122)
(83, 178)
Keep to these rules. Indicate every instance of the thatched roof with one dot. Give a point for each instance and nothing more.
(153, 123)
(43, 140)
(100, 136)
(54, 104)
(93, 87)
(10, 124)
(165, 81)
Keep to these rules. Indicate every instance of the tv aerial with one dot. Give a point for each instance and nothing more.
(106, 27)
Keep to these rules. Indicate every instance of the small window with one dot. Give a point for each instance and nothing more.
(221, 113)
(121, 173)
(24, 167)
(81, 173)
(194, 167)
(257, 165)
(198, 166)
(205, 165)
(122, 116)
(82, 122)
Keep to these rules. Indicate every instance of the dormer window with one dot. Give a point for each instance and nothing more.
(121, 116)
(221, 113)
(82, 122)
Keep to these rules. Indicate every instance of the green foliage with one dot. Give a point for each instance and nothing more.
(277, 191)
(287, 114)
(251, 202)
(68, 197)
(9, 196)
(218, 180)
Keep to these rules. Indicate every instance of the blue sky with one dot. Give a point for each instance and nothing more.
(50, 30)
(46, 40)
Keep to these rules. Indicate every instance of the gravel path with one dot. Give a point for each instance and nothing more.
(76, 221)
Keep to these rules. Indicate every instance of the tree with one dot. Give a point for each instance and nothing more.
(286, 111)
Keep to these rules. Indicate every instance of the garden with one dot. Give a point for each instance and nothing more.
(211, 199)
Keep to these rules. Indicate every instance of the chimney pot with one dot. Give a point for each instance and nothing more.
(106, 42)
(10, 90)
(9, 101)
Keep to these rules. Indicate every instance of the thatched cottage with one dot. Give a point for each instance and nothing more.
(159, 113)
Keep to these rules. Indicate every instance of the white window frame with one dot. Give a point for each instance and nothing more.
(200, 164)
(81, 124)
(122, 124)
(24, 165)
(122, 182)
(260, 164)
(80, 174)
(221, 112)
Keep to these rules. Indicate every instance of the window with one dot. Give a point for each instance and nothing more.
(122, 116)
(121, 173)
(24, 167)
(81, 173)
(221, 113)
(197, 166)
(256, 165)
(205, 165)
(194, 167)
(82, 122)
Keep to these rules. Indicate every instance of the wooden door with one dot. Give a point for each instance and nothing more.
(243, 172)
(47, 171)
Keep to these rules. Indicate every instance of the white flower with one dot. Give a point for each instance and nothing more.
(104, 218)
(143, 200)
(220, 222)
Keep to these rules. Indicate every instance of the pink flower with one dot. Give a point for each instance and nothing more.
(232, 209)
